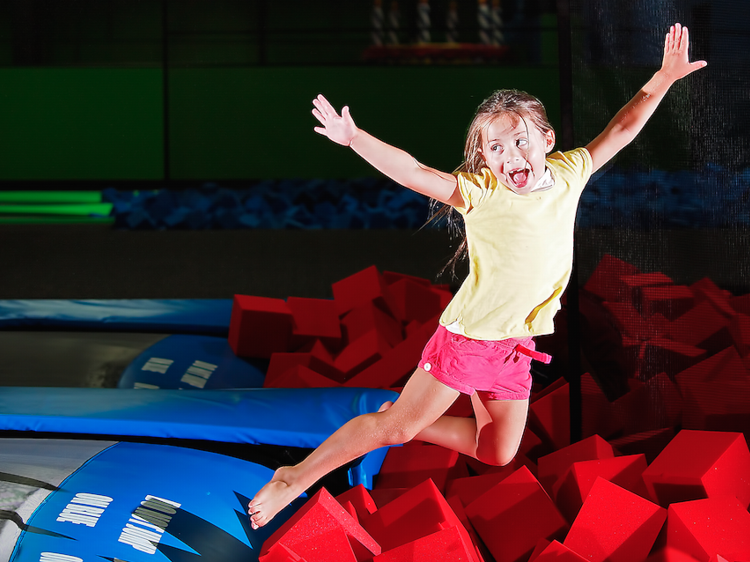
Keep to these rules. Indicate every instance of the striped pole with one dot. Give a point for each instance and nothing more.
(377, 23)
(394, 22)
(497, 23)
(451, 22)
(423, 21)
(484, 18)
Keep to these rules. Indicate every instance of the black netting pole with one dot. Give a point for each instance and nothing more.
(566, 143)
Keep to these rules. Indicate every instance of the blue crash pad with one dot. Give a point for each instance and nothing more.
(202, 316)
(262, 416)
(193, 362)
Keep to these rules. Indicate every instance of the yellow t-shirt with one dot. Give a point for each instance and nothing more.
(520, 251)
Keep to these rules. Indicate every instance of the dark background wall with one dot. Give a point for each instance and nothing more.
(221, 89)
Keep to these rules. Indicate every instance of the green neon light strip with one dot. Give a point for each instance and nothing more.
(82, 197)
(100, 209)
(56, 220)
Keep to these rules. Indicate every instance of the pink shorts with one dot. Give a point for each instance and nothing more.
(500, 368)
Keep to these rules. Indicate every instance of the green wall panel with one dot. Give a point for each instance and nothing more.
(80, 124)
(257, 123)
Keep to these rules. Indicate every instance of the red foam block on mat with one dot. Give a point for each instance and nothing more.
(514, 515)
(700, 464)
(300, 376)
(361, 288)
(361, 353)
(323, 530)
(615, 525)
(710, 527)
(368, 317)
(414, 301)
(417, 513)
(314, 319)
(397, 362)
(552, 467)
(259, 326)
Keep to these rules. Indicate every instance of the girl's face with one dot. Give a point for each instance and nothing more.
(515, 152)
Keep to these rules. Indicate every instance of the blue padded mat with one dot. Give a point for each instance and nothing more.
(204, 316)
(263, 416)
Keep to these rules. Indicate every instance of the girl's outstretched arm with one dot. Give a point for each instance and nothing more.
(393, 162)
(629, 121)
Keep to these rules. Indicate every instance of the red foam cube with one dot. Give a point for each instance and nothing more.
(446, 545)
(405, 467)
(710, 527)
(396, 363)
(314, 319)
(650, 443)
(660, 355)
(514, 515)
(553, 466)
(596, 410)
(259, 326)
(300, 376)
(557, 552)
(671, 301)
(360, 499)
(717, 407)
(361, 353)
(700, 464)
(668, 554)
(701, 325)
(706, 290)
(416, 513)
(604, 281)
(615, 525)
(361, 288)
(571, 490)
(631, 285)
(367, 318)
(655, 404)
(413, 301)
(549, 417)
(739, 328)
(323, 530)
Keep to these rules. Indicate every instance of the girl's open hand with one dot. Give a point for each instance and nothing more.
(676, 63)
(340, 129)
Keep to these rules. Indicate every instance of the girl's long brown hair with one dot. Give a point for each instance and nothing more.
(513, 103)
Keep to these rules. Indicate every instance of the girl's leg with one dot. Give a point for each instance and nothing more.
(492, 436)
(423, 400)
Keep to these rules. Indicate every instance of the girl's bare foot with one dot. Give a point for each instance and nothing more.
(273, 497)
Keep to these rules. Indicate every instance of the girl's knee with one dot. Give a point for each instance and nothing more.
(497, 455)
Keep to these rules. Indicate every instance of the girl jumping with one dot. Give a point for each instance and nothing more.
(518, 201)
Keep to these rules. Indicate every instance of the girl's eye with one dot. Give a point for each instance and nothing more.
(496, 148)
(522, 142)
